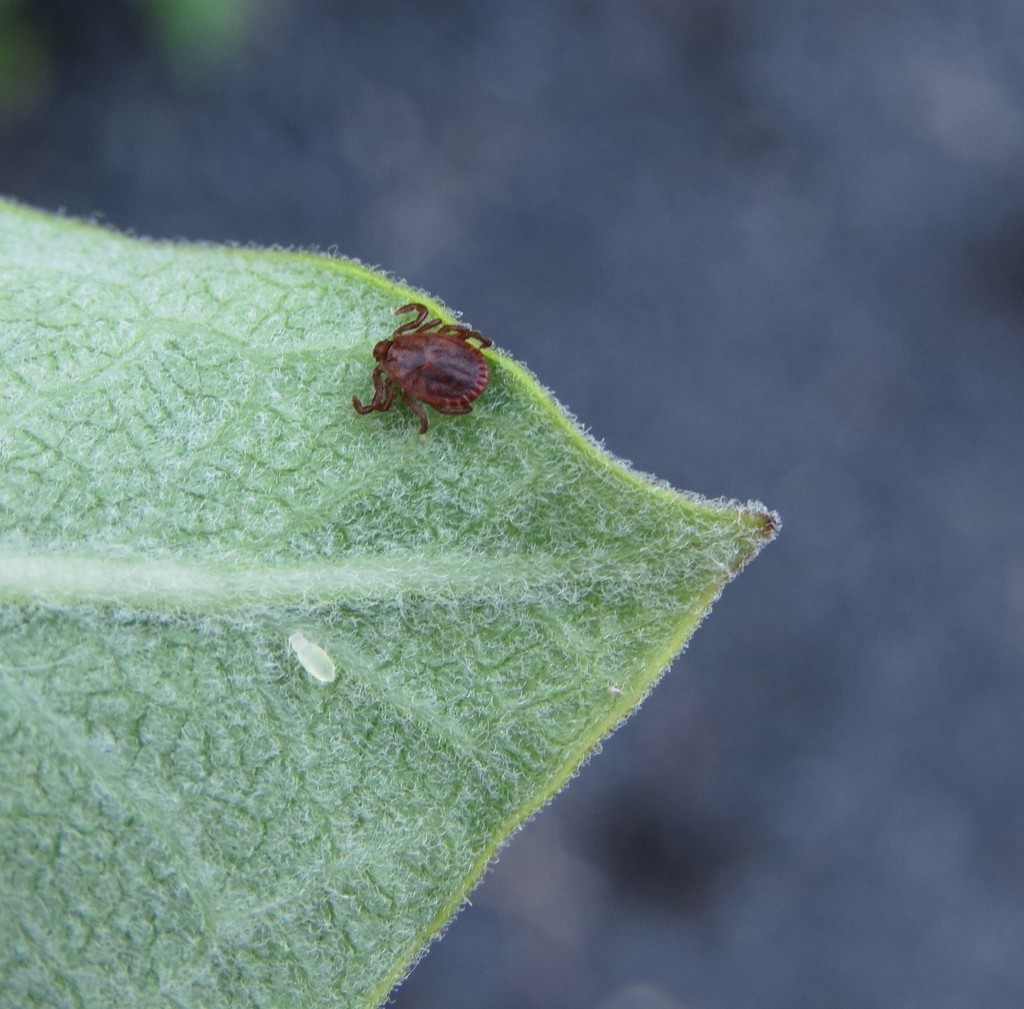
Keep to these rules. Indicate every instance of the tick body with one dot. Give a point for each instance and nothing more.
(428, 362)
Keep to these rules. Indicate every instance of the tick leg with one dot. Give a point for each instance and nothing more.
(417, 408)
(408, 327)
(379, 392)
(465, 333)
(453, 409)
(378, 383)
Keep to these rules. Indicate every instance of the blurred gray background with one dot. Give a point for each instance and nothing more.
(767, 251)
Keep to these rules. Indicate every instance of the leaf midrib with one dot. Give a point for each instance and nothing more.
(145, 583)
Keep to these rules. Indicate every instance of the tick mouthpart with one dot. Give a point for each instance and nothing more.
(381, 350)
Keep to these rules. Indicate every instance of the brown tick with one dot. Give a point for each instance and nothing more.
(430, 363)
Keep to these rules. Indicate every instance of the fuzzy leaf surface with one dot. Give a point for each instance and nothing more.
(277, 679)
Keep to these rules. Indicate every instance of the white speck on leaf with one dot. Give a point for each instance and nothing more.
(312, 658)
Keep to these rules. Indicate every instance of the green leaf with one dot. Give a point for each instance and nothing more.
(196, 530)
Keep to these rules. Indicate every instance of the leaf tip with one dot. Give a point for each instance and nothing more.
(764, 525)
(769, 522)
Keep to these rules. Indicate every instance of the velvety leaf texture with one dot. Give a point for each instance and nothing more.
(276, 679)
